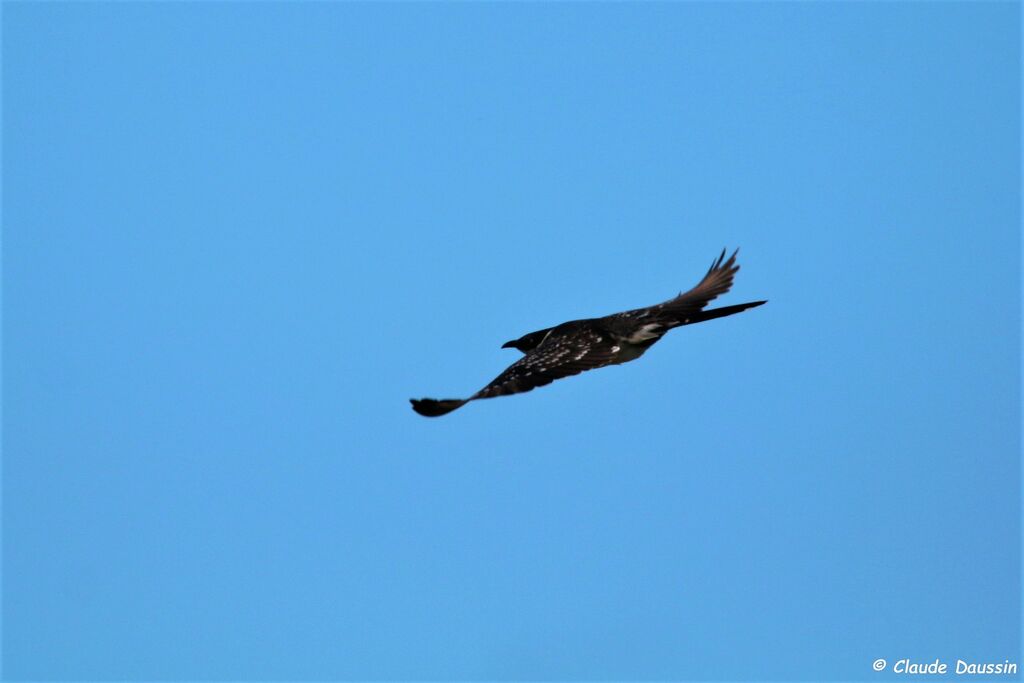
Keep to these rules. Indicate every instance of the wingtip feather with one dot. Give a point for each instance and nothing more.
(430, 407)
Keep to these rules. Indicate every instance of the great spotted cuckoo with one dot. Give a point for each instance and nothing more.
(579, 345)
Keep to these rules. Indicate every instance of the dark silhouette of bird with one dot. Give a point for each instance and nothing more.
(580, 345)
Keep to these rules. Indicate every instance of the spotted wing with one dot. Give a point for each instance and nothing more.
(561, 355)
(716, 282)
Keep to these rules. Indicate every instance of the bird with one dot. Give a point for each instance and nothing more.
(580, 345)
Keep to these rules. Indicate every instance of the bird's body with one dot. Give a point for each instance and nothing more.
(580, 345)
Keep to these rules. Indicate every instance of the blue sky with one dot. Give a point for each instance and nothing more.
(237, 237)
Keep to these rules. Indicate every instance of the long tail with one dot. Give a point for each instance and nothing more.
(721, 312)
(430, 407)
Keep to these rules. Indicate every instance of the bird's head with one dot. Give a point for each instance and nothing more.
(527, 342)
(515, 344)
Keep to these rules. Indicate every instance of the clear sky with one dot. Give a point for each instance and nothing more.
(238, 237)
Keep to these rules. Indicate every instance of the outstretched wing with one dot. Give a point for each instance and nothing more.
(563, 354)
(716, 282)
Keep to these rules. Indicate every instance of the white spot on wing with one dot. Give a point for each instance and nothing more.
(645, 333)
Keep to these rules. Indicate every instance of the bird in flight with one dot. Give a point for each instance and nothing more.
(580, 345)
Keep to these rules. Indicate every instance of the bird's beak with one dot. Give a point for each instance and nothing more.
(509, 345)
